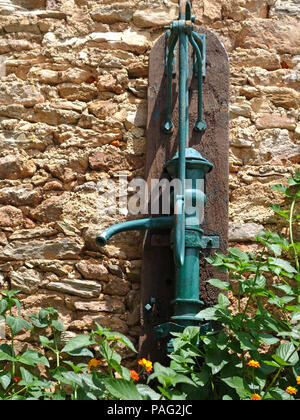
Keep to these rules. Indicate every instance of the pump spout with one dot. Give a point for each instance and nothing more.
(166, 222)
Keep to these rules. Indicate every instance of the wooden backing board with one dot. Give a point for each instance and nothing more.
(158, 266)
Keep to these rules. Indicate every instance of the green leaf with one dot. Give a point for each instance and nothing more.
(122, 339)
(293, 308)
(5, 379)
(9, 293)
(292, 182)
(236, 382)
(167, 376)
(78, 342)
(295, 316)
(283, 264)
(257, 282)
(223, 285)
(81, 352)
(297, 175)
(215, 359)
(276, 248)
(3, 306)
(58, 325)
(268, 339)
(246, 341)
(223, 300)
(275, 394)
(202, 378)
(279, 360)
(76, 368)
(17, 324)
(222, 340)
(37, 321)
(122, 389)
(125, 373)
(210, 314)
(6, 353)
(18, 305)
(286, 288)
(270, 363)
(45, 341)
(30, 380)
(296, 245)
(283, 213)
(72, 378)
(288, 353)
(32, 358)
(239, 254)
(27, 378)
(296, 369)
(146, 391)
(279, 187)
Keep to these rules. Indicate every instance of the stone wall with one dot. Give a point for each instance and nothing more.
(73, 112)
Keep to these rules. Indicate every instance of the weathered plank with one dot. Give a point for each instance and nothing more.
(158, 267)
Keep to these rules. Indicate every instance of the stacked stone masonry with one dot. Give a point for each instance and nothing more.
(73, 109)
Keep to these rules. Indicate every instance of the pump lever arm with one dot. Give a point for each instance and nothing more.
(165, 222)
(185, 10)
(200, 125)
(171, 43)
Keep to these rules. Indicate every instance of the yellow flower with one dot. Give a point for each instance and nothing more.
(298, 380)
(255, 397)
(146, 364)
(93, 363)
(291, 390)
(254, 363)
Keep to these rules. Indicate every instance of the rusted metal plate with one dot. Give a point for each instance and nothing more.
(158, 267)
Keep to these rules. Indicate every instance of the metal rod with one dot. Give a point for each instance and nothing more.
(200, 125)
(142, 224)
(172, 40)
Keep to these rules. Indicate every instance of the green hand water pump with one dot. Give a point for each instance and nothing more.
(187, 238)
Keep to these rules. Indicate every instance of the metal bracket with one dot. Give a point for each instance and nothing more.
(194, 239)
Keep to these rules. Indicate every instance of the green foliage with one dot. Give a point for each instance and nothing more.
(18, 375)
(253, 354)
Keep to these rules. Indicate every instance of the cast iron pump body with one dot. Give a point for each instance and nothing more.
(186, 236)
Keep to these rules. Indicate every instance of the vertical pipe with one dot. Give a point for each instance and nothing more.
(186, 300)
(183, 104)
(179, 248)
(187, 303)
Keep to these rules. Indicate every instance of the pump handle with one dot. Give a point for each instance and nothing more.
(185, 10)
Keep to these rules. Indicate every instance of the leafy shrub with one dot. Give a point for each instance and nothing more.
(253, 355)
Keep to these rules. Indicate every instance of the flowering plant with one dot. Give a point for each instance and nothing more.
(256, 354)
(252, 353)
(63, 378)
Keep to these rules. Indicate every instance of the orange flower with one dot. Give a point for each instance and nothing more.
(298, 380)
(134, 375)
(254, 363)
(255, 397)
(115, 143)
(16, 379)
(93, 363)
(291, 390)
(146, 364)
